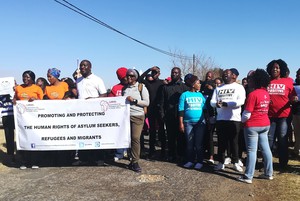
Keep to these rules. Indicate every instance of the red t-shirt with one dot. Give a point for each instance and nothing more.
(116, 90)
(280, 91)
(257, 103)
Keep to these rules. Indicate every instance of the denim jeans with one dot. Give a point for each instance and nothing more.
(255, 136)
(278, 130)
(194, 134)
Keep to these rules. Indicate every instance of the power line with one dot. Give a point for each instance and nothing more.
(86, 15)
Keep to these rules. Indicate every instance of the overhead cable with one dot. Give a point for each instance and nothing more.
(85, 14)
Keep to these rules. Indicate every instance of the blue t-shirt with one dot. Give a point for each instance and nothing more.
(193, 104)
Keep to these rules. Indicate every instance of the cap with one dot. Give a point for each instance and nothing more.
(234, 71)
(121, 72)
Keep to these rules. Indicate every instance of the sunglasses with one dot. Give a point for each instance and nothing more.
(131, 76)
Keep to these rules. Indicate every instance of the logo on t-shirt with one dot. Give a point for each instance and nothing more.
(226, 93)
(276, 89)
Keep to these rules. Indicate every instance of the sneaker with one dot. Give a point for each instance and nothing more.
(116, 159)
(227, 161)
(35, 167)
(125, 154)
(220, 166)
(241, 163)
(237, 167)
(263, 176)
(244, 179)
(135, 167)
(198, 166)
(23, 167)
(77, 162)
(211, 161)
(188, 165)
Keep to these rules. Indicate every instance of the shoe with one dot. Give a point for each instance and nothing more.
(241, 163)
(263, 176)
(188, 165)
(35, 167)
(23, 167)
(100, 163)
(220, 166)
(211, 161)
(116, 159)
(227, 161)
(135, 167)
(125, 154)
(77, 162)
(237, 167)
(198, 166)
(244, 179)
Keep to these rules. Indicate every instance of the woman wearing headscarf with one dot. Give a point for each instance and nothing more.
(57, 89)
(28, 91)
(138, 99)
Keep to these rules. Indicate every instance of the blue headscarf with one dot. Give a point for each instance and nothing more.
(54, 72)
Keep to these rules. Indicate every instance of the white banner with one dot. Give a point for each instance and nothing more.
(101, 123)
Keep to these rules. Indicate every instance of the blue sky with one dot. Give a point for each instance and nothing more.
(41, 34)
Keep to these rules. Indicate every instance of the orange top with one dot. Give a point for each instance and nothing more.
(57, 92)
(26, 92)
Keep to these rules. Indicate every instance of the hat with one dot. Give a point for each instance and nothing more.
(121, 72)
(190, 79)
(234, 71)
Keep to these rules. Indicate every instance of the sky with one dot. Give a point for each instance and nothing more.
(41, 34)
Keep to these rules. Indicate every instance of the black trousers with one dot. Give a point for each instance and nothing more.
(156, 124)
(228, 131)
(9, 127)
(176, 140)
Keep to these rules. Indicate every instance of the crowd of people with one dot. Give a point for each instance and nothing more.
(260, 116)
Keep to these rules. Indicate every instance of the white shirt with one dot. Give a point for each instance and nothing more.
(90, 87)
(234, 95)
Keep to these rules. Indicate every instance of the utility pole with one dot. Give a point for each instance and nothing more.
(194, 67)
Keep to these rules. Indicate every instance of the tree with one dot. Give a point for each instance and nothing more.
(198, 65)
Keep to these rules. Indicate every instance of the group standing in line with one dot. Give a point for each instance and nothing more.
(189, 109)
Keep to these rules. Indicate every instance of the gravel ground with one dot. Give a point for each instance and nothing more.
(158, 181)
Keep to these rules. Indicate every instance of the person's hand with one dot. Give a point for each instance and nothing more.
(219, 104)
(181, 127)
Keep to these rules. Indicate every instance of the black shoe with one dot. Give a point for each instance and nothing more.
(135, 167)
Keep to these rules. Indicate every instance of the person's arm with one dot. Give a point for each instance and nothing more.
(246, 116)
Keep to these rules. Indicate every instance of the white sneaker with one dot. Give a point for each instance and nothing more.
(227, 161)
(23, 167)
(116, 159)
(198, 166)
(35, 167)
(241, 163)
(211, 161)
(220, 166)
(244, 179)
(188, 165)
(237, 167)
(262, 176)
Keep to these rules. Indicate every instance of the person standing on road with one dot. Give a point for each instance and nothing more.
(154, 87)
(282, 94)
(192, 122)
(29, 91)
(256, 127)
(90, 86)
(169, 112)
(138, 99)
(228, 99)
(116, 90)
